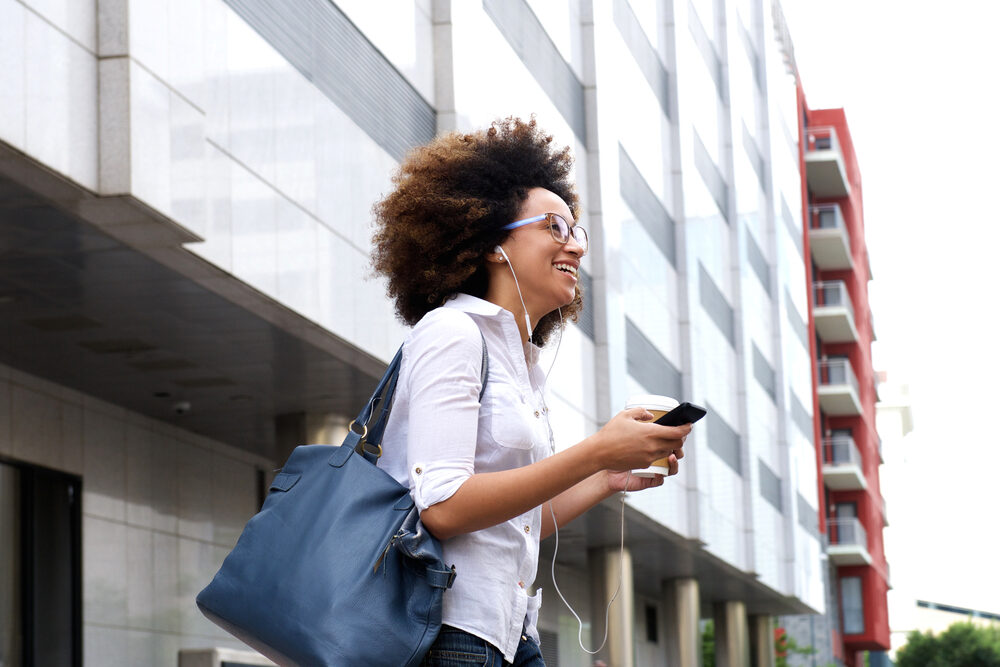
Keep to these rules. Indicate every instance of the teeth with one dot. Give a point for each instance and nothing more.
(567, 268)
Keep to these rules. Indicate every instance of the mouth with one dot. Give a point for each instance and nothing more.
(567, 268)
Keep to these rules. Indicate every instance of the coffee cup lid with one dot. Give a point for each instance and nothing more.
(653, 401)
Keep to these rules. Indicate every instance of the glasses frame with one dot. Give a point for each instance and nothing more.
(571, 230)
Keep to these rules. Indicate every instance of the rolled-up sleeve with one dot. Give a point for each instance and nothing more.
(442, 363)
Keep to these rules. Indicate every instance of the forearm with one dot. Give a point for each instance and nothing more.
(576, 500)
(487, 499)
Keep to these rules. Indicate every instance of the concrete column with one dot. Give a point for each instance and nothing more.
(683, 636)
(762, 641)
(608, 565)
(732, 646)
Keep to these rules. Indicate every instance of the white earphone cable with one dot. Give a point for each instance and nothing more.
(527, 320)
(552, 512)
(621, 572)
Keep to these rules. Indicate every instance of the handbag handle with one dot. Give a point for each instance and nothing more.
(368, 442)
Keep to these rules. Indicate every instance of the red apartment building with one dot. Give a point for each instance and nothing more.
(852, 511)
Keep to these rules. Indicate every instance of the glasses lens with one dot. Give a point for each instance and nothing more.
(558, 228)
(561, 230)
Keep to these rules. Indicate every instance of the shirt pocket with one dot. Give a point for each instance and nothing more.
(507, 419)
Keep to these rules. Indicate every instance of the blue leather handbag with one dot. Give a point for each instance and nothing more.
(336, 568)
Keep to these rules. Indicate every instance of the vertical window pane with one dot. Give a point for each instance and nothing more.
(10, 566)
(851, 605)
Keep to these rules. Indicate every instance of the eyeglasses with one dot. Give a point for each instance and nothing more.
(558, 227)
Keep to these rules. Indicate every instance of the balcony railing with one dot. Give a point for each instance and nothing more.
(829, 240)
(842, 468)
(834, 312)
(838, 388)
(848, 532)
(825, 169)
(848, 542)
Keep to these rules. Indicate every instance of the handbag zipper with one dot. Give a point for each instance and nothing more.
(385, 551)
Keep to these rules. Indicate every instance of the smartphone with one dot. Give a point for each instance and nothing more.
(685, 413)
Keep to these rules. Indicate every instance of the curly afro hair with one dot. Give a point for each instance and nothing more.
(451, 200)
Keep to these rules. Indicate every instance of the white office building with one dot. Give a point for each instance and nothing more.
(185, 194)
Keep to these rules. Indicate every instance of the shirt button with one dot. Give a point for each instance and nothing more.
(527, 529)
(537, 413)
(418, 470)
(521, 584)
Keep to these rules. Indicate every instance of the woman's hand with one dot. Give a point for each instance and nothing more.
(632, 441)
(617, 480)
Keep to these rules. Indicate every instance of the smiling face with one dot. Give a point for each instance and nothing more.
(546, 270)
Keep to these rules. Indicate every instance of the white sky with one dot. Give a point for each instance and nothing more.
(920, 85)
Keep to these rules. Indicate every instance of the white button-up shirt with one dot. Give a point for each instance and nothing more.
(438, 436)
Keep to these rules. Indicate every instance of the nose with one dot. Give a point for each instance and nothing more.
(573, 246)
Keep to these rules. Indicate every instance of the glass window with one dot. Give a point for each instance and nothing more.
(851, 605)
(10, 566)
(652, 624)
(40, 591)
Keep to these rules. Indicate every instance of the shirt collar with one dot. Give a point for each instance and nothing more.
(476, 306)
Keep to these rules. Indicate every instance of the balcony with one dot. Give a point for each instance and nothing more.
(829, 241)
(834, 312)
(838, 388)
(825, 170)
(842, 469)
(848, 542)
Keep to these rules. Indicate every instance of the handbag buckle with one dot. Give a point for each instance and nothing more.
(364, 431)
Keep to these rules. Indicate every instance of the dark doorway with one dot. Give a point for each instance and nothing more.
(40, 561)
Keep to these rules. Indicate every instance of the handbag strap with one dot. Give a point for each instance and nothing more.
(368, 441)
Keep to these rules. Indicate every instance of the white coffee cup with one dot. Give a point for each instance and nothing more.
(658, 406)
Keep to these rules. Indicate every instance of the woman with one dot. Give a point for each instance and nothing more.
(479, 242)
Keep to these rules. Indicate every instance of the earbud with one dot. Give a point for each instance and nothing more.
(527, 320)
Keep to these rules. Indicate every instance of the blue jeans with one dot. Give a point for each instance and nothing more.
(457, 648)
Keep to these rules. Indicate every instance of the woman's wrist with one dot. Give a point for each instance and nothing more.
(607, 486)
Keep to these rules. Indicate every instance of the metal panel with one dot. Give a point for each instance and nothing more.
(331, 52)
(770, 485)
(808, 518)
(707, 49)
(724, 441)
(711, 176)
(715, 304)
(758, 262)
(763, 372)
(799, 325)
(549, 646)
(794, 229)
(650, 368)
(756, 159)
(801, 416)
(644, 53)
(532, 44)
(586, 321)
(646, 206)
(755, 60)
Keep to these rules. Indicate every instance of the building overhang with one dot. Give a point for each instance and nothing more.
(839, 400)
(830, 249)
(844, 477)
(99, 294)
(835, 324)
(848, 554)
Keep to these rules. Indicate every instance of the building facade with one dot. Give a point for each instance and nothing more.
(185, 193)
(849, 449)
